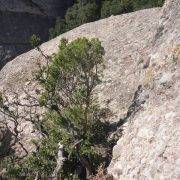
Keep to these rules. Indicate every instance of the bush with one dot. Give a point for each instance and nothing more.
(143, 4)
(60, 27)
(73, 114)
(73, 117)
(115, 7)
(90, 10)
(111, 8)
(34, 41)
(81, 13)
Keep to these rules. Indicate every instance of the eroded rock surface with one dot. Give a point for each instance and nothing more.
(149, 147)
(126, 39)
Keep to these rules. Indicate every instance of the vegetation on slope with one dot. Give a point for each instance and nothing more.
(73, 121)
(84, 11)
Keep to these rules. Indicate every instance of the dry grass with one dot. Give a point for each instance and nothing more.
(101, 174)
(148, 79)
(176, 54)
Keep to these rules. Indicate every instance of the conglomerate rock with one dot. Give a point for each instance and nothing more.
(149, 147)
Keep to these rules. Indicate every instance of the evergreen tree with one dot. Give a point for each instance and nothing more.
(73, 117)
(80, 13)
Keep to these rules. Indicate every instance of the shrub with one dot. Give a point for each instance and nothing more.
(34, 41)
(73, 117)
(81, 13)
(73, 114)
(115, 7)
(90, 10)
(139, 4)
(60, 27)
(111, 8)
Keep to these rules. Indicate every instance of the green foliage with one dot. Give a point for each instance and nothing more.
(115, 7)
(12, 167)
(60, 27)
(1, 98)
(42, 161)
(34, 41)
(84, 11)
(81, 13)
(139, 4)
(111, 8)
(73, 117)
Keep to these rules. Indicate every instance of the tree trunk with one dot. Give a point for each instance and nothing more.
(87, 166)
(59, 162)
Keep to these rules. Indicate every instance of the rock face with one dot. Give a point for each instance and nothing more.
(41, 7)
(16, 28)
(19, 19)
(140, 87)
(54, 7)
(149, 147)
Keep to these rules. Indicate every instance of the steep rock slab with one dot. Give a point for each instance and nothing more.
(126, 39)
(149, 147)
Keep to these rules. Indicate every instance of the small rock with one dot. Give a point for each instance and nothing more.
(166, 78)
(146, 133)
(177, 74)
